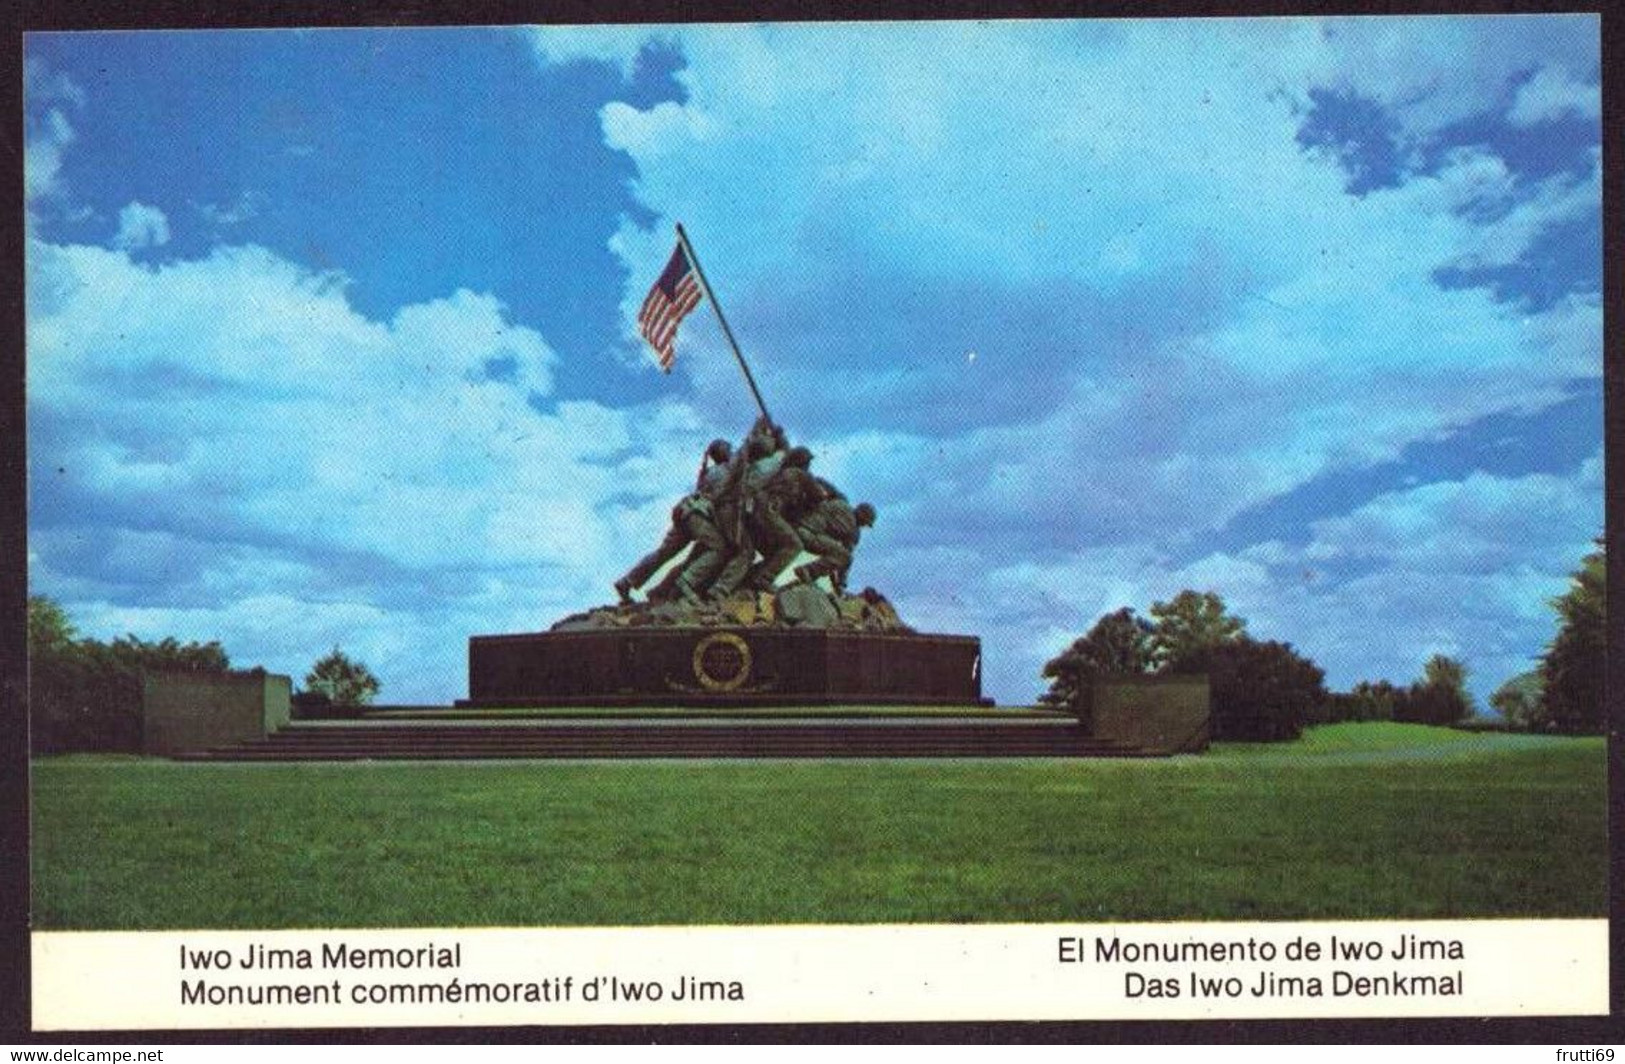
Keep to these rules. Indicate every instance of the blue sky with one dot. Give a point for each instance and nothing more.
(330, 332)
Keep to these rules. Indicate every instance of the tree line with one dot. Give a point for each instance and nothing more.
(85, 694)
(1263, 690)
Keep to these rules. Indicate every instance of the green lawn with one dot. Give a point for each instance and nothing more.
(1354, 821)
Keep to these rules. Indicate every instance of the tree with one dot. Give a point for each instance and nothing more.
(49, 629)
(1572, 668)
(1259, 691)
(1118, 643)
(1440, 697)
(340, 681)
(1521, 701)
(1188, 626)
(169, 654)
(1446, 672)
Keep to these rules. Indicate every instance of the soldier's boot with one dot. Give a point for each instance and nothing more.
(623, 588)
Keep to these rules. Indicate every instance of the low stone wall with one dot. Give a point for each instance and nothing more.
(186, 711)
(1163, 714)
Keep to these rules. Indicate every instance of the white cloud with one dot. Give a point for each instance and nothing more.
(1432, 71)
(42, 157)
(141, 226)
(302, 475)
(48, 96)
(1464, 568)
(1553, 93)
(1482, 523)
(886, 179)
(42, 85)
(244, 208)
(563, 45)
(1555, 200)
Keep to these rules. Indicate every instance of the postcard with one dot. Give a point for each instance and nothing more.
(802, 522)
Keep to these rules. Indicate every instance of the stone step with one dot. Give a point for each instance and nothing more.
(643, 753)
(855, 738)
(544, 733)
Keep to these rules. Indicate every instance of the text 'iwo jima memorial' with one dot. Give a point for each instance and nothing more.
(747, 643)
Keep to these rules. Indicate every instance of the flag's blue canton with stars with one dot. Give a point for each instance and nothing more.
(675, 294)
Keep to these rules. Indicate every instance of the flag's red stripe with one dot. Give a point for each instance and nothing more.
(661, 326)
(660, 314)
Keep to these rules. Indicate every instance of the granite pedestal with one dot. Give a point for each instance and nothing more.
(663, 666)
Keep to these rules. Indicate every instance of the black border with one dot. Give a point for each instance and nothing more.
(65, 15)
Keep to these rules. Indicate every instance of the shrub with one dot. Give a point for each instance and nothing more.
(1258, 690)
(82, 698)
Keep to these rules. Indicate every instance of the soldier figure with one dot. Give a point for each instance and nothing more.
(779, 503)
(693, 520)
(831, 531)
(757, 462)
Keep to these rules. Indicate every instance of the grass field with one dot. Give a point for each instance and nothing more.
(1354, 821)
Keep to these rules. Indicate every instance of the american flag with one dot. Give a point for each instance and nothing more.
(675, 294)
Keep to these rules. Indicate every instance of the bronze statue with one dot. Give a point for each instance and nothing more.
(752, 512)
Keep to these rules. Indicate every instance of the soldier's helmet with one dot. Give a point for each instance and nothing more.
(759, 445)
(865, 515)
(799, 457)
(719, 451)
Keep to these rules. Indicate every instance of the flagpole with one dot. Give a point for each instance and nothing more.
(688, 249)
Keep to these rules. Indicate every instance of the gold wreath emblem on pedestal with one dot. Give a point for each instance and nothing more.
(722, 662)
